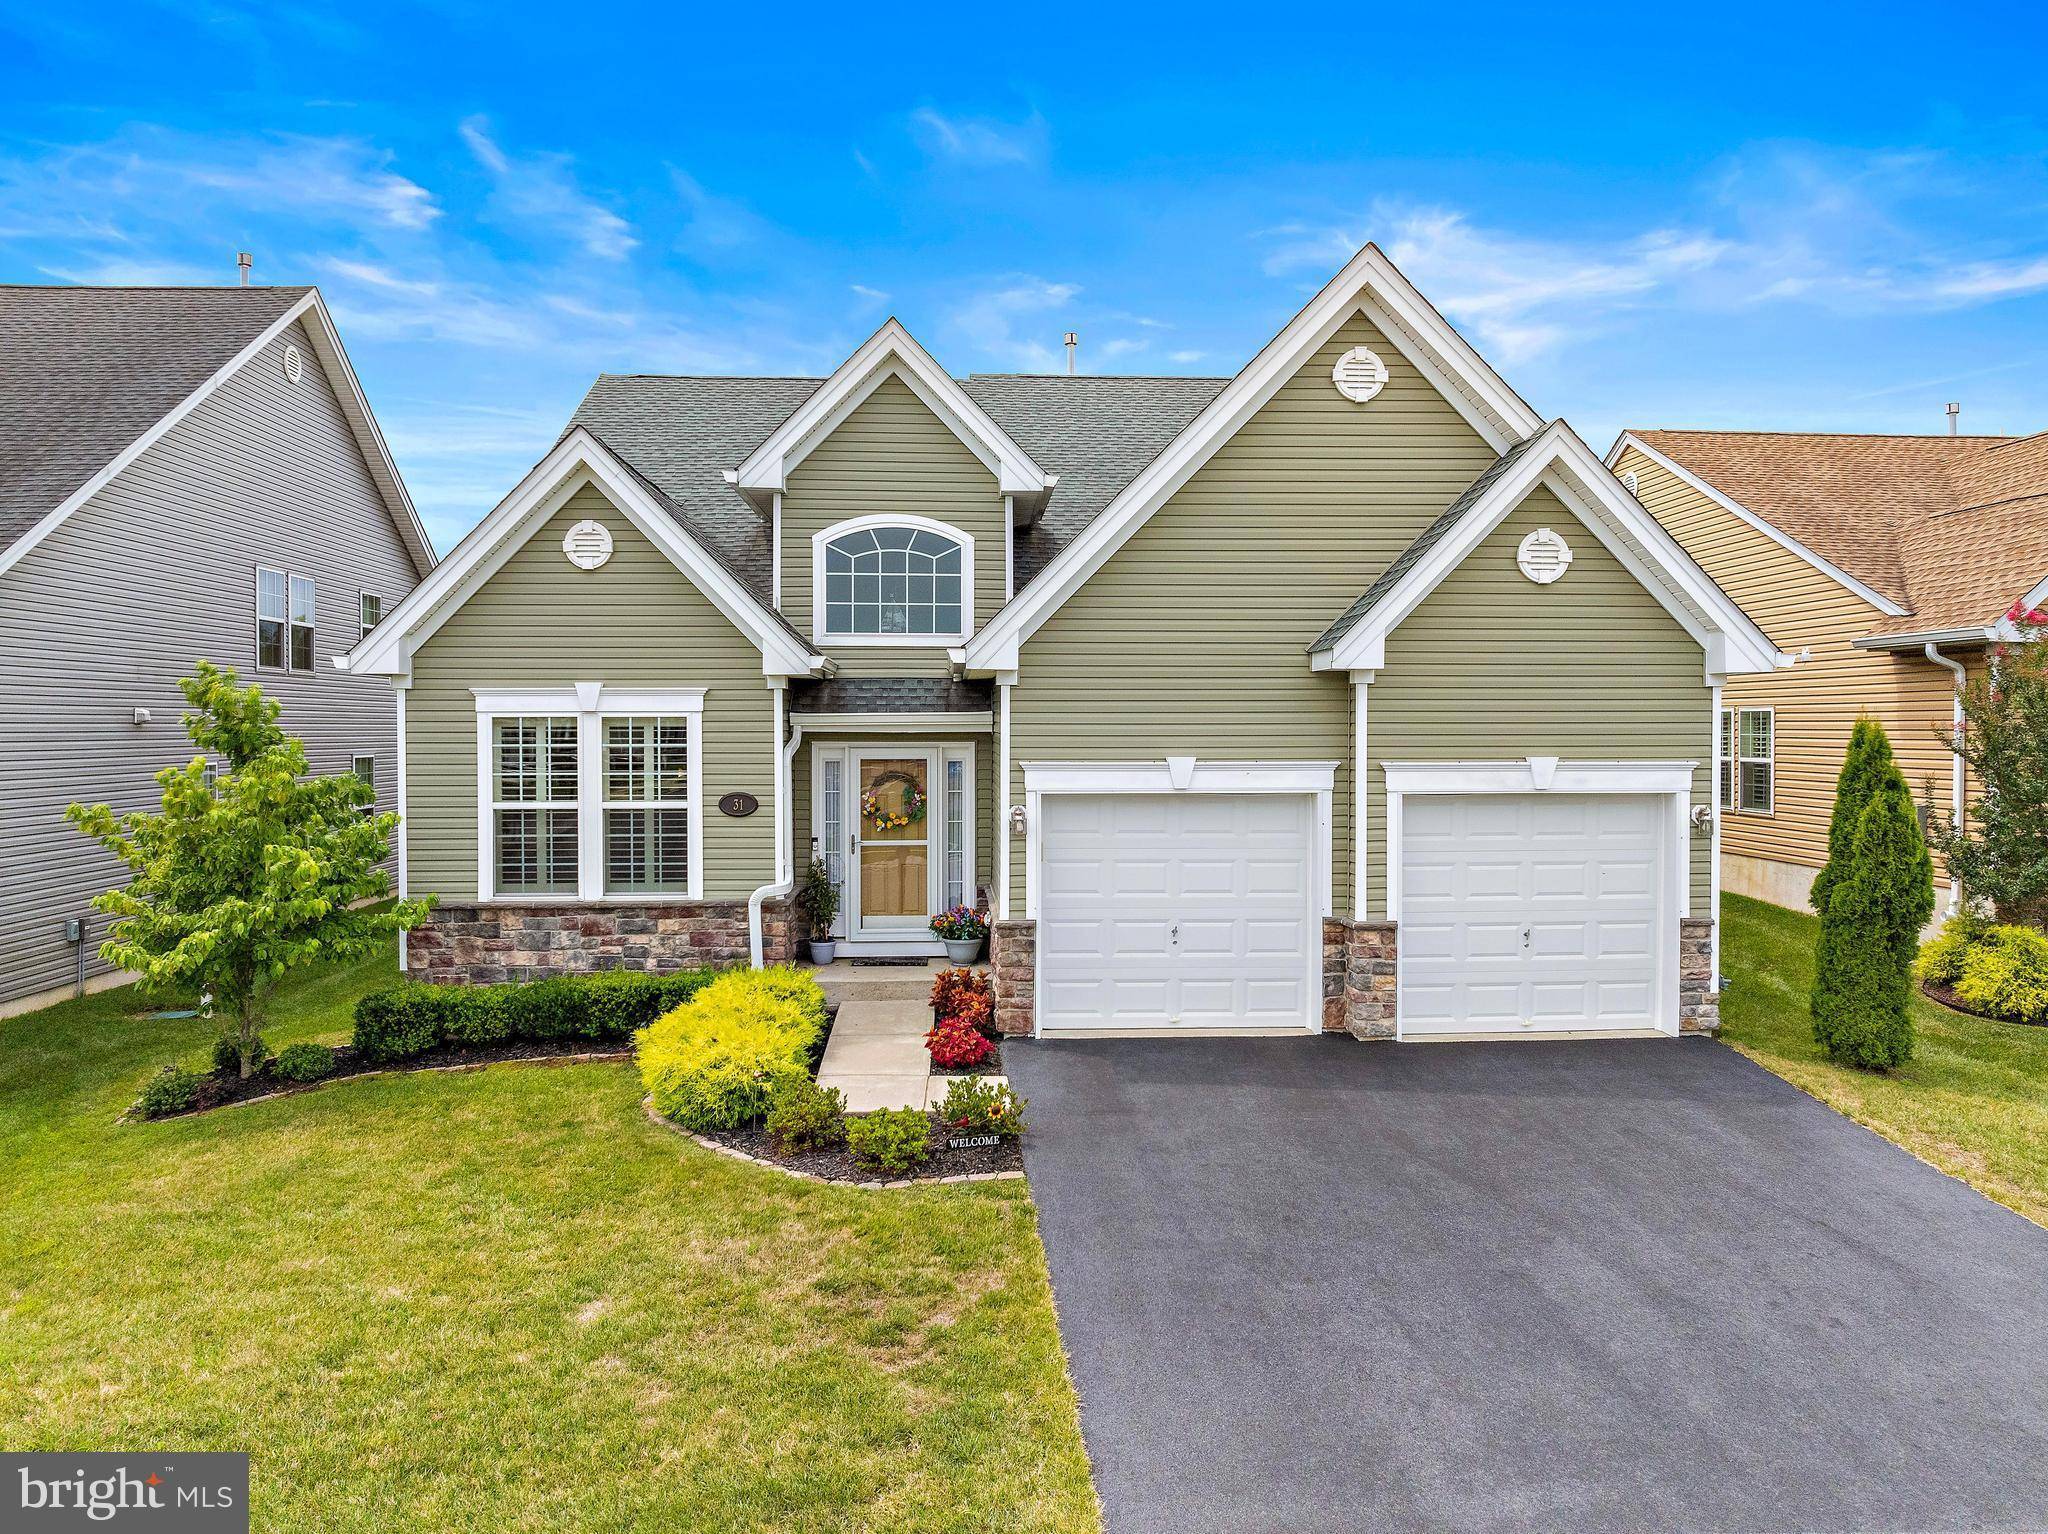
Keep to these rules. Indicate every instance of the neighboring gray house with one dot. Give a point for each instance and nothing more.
(185, 474)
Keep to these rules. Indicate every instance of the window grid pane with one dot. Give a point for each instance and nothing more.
(892, 580)
(1725, 750)
(646, 763)
(834, 821)
(372, 611)
(1754, 770)
(956, 833)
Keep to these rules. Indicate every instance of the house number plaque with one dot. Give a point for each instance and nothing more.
(738, 804)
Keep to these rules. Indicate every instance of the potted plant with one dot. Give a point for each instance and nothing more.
(961, 930)
(818, 899)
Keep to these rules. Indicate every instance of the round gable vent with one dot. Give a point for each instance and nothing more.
(1543, 556)
(294, 364)
(1629, 482)
(1359, 375)
(587, 545)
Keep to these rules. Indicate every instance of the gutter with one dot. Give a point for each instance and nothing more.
(785, 861)
(1955, 668)
(1926, 639)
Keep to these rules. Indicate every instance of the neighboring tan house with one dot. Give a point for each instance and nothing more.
(1342, 693)
(1889, 565)
(185, 474)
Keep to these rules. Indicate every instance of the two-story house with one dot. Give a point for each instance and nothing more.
(185, 474)
(1345, 692)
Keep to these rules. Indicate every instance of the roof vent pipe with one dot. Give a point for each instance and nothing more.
(243, 261)
(1954, 409)
(1073, 345)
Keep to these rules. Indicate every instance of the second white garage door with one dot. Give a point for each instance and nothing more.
(1176, 911)
(1532, 912)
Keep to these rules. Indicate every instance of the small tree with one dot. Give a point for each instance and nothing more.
(1863, 966)
(238, 881)
(1867, 765)
(2000, 852)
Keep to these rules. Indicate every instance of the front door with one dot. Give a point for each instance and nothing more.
(893, 862)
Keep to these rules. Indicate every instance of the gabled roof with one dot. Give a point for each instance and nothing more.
(681, 434)
(891, 352)
(1941, 534)
(1557, 459)
(580, 458)
(91, 377)
(1369, 284)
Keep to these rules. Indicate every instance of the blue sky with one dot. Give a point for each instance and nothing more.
(1700, 217)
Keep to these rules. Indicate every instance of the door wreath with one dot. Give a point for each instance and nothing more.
(880, 818)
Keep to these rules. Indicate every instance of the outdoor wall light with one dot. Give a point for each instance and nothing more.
(1016, 820)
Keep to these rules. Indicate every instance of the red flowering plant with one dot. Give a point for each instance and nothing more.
(957, 1045)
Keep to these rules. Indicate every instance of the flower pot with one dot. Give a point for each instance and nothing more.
(822, 953)
(962, 950)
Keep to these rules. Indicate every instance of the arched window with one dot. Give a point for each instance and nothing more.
(895, 580)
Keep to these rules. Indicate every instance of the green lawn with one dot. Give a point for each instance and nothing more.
(503, 1300)
(1973, 1100)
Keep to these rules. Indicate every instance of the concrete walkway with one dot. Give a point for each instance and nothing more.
(876, 1054)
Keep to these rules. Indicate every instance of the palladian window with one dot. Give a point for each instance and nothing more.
(894, 580)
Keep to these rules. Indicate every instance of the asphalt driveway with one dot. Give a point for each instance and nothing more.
(1309, 1285)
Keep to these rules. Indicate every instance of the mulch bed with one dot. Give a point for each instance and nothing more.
(992, 1066)
(222, 1091)
(1947, 998)
(838, 1165)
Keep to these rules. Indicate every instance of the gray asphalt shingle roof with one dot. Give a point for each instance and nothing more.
(681, 434)
(84, 372)
(891, 695)
(1426, 540)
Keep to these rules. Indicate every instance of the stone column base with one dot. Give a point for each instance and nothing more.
(1013, 972)
(1699, 989)
(1360, 983)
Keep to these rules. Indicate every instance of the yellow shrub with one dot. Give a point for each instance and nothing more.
(714, 1062)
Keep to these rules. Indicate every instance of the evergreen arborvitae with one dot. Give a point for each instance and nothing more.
(1868, 763)
(1863, 967)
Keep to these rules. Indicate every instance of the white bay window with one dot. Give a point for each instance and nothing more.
(589, 792)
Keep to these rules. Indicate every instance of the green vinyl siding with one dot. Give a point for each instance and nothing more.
(636, 621)
(1194, 636)
(1492, 666)
(891, 454)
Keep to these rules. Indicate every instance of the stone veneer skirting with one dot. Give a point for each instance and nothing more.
(1013, 962)
(1360, 982)
(483, 944)
(1699, 988)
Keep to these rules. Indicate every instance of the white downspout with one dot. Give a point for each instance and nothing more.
(1714, 842)
(785, 861)
(1360, 873)
(1002, 800)
(1955, 668)
(399, 686)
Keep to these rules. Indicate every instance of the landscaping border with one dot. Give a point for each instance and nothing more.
(1942, 996)
(647, 1106)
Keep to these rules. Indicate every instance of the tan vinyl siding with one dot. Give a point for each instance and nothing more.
(891, 455)
(1194, 637)
(156, 571)
(636, 621)
(1817, 701)
(1493, 666)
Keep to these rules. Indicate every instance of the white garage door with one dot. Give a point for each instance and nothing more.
(1530, 912)
(1176, 911)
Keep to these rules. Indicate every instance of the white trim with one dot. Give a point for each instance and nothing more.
(588, 703)
(1361, 862)
(1559, 461)
(1670, 781)
(1369, 283)
(1002, 825)
(577, 461)
(1736, 760)
(376, 596)
(965, 541)
(969, 755)
(1009, 547)
(1920, 638)
(348, 392)
(399, 687)
(977, 723)
(775, 552)
(1313, 780)
(784, 865)
(1777, 535)
(891, 352)
(1714, 853)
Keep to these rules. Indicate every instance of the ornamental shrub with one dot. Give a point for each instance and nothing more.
(171, 1090)
(1941, 957)
(227, 1054)
(975, 1105)
(2005, 974)
(957, 1045)
(716, 1061)
(1864, 962)
(410, 1019)
(954, 986)
(304, 1062)
(402, 1021)
(977, 1012)
(805, 1116)
(1867, 764)
(895, 1140)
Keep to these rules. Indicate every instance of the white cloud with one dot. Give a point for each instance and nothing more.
(987, 323)
(1995, 279)
(981, 141)
(541, 190)
(1184, 357)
